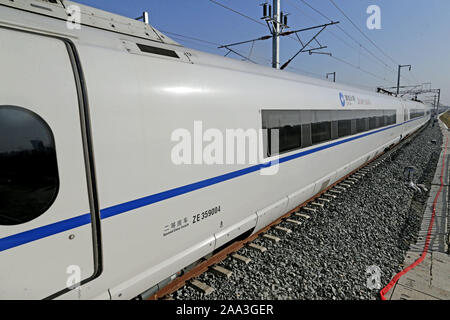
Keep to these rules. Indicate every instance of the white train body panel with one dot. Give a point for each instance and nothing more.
(136, 100)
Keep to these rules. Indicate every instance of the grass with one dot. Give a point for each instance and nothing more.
(446, 118)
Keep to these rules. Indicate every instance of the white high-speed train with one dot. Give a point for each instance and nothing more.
(93, 204)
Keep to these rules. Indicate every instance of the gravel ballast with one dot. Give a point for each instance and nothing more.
(373, 223)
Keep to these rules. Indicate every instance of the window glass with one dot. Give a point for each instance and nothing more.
(393, 119)
(320, 132)
(290, 138)
(360, 125)
(28, 168)
(380, 121)
(303, 128)
(306, 135)
(372, 123)
(416, 113)
(344, 128)
(353, 126)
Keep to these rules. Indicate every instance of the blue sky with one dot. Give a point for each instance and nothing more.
(413, 32)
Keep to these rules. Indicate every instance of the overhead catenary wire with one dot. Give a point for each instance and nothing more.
(378, 60)
(359, 68)
(246, 16)
(297, 39)
(364, 34)
(190, 37)
(268, 61)
(372, 55)
(237, 12)
(243, 55)
(342, 29)
(209, 44)
(336, 58)
(214, 45)
(349, 36)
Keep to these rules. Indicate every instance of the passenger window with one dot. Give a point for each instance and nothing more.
(303, 128)
(320, 132)
(290, 138)
(334, 130)
(380, 122)
(360, 125)
(353, 126)
(29, 179)
(306, 135)
(344, 128)
(372, 123)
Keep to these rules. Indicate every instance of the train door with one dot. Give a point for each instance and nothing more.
(46, 234)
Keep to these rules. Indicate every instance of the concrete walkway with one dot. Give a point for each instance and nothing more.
(430, 280)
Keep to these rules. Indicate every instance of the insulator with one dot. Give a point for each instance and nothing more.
(281, 17)
(270, 10)
(265, 10)
(285, 22)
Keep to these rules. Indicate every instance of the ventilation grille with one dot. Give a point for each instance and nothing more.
(156, 50)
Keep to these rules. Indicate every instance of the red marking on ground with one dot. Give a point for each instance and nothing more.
(427, 242)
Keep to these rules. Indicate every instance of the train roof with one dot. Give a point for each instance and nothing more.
(92, 17)
(107, 21)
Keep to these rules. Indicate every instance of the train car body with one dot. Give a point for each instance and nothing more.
(94, 205)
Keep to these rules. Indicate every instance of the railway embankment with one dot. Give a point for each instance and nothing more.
(445, 118)
(350, 246)
(427, 263)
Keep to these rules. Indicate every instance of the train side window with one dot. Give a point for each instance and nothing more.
(387, 117)
(334, 130)
(353, 126)
(394, 118)
(360, 125)
(303, 128)
(306, 135)
(418, 113)
(372, 123)
(380, 121)
(29, 181)
(290, 138)
(320, 132)
(344, 128)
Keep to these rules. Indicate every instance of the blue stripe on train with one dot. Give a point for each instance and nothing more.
(75, 222)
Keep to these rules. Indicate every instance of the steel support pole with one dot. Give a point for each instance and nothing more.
(276, 35)
(439, 99)
(398, 80)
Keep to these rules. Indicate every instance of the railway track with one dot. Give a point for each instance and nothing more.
(297, 216)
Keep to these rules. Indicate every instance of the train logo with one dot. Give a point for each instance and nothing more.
(342, 98)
